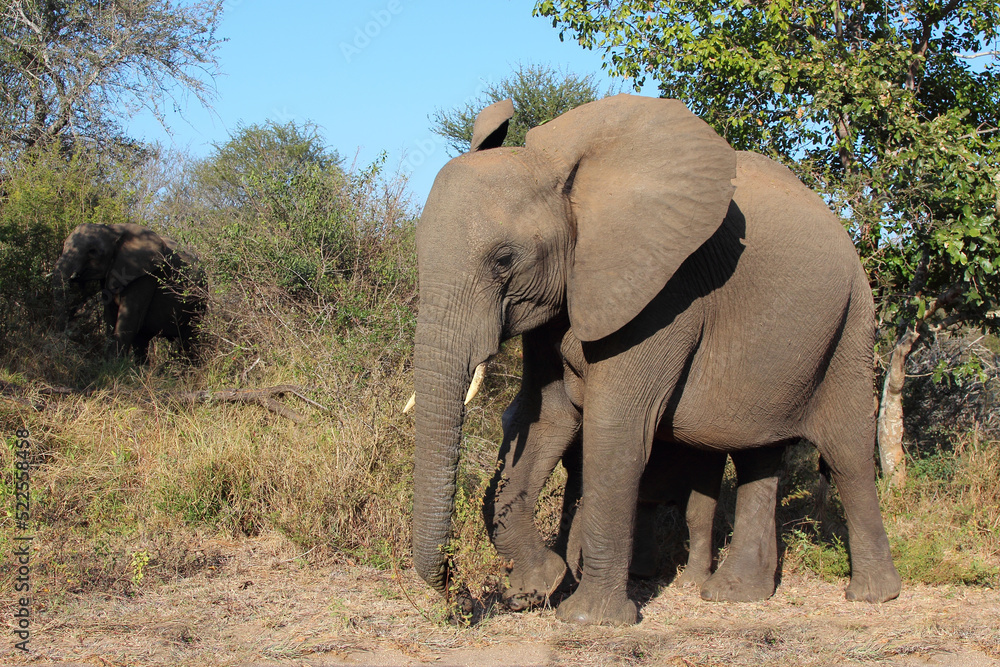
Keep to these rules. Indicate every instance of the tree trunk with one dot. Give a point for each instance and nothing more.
(890, 416)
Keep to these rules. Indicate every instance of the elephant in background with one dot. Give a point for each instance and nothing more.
(693, 294)
(149, 286)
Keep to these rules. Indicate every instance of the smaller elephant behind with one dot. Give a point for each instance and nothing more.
(149, 286)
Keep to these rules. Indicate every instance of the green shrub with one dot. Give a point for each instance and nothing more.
(46, 195)
(276, 207)
(828, 559)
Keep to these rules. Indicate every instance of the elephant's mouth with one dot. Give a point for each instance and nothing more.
(83, 277)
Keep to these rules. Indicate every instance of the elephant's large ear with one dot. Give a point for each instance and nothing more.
(491, 125)
(139, 252)
(648, 182)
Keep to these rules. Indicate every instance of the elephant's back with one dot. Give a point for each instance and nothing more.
(784, 211)
(791, 236)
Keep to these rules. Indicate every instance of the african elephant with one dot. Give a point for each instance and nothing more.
(700, 295)
(149, 286)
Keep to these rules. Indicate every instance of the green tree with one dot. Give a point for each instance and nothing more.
(277, 209)
(74, 69)
(890, 109)
(257, 169)
(540, 93)
(277, 200)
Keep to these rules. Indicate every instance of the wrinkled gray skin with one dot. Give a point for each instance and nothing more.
(728, 315)
(148, 286)
(675, 474)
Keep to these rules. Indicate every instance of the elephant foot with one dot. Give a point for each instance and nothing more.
(875, 583)
(598, 609)
(736, 584)
(532, 586)
(693, 576)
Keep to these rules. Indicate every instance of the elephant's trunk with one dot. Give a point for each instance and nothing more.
(441, 377)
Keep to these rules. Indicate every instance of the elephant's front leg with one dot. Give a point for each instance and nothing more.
(539, 426)
(110, 302)
(614, 455)
(133, 305)
(531, 449)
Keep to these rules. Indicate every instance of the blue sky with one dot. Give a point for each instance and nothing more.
(369, 73)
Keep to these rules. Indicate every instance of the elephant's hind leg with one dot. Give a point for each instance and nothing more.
(706, 474)
(873, 576)
(748, 573)
(690, 479)
(842, 426)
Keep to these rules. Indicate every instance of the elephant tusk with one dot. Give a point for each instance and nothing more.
(477, 382)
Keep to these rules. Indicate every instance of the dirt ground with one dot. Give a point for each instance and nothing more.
(263, 607)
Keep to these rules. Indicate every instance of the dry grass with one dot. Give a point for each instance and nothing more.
(260, 603)
(120, 470)
(945, 523)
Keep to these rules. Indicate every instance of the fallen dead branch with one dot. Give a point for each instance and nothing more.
(264, 397)
(19, 394)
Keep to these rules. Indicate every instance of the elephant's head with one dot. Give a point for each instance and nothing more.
(86, 256)
(588, 220)
(105, 257)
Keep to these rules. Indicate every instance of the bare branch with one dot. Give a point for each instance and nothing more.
(943, 300)
(262, 397)
(981, 54)
(978, 133)
(85, 71)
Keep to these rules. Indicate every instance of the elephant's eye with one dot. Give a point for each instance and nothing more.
(501, 264)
